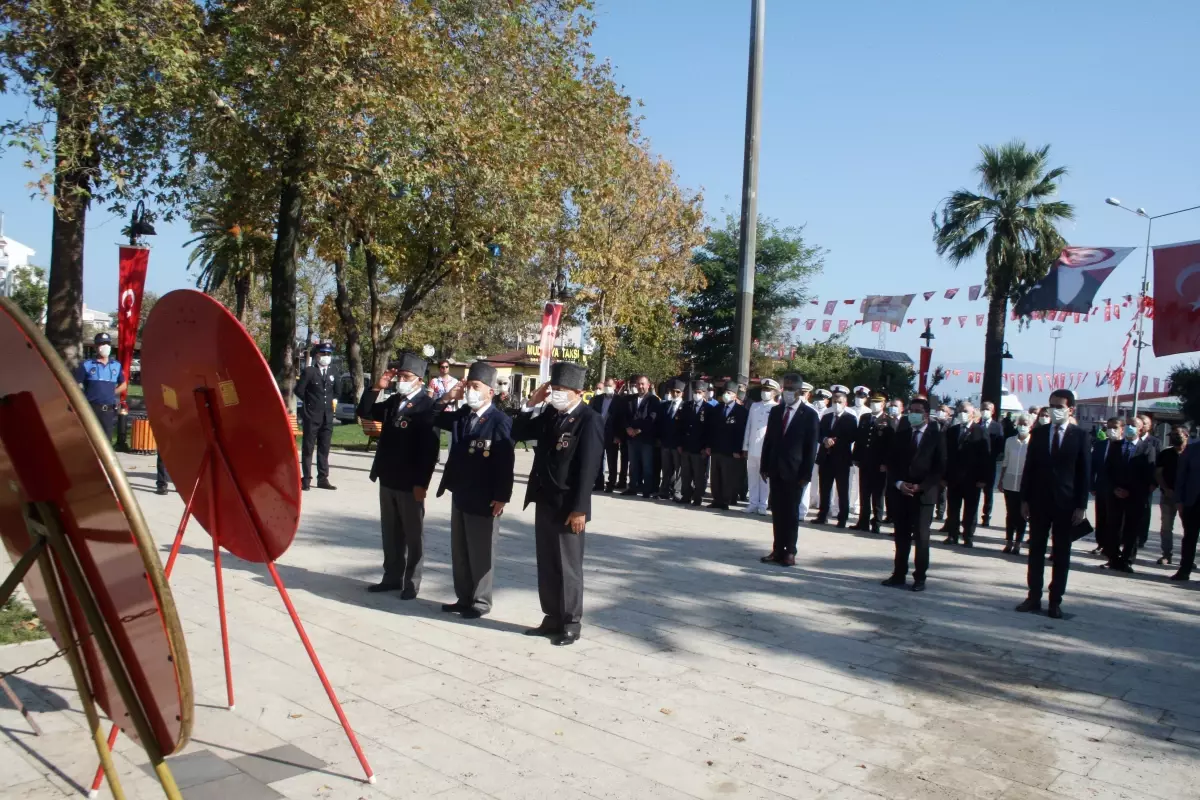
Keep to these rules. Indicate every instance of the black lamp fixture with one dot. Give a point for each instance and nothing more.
(140, 224)
(1007, 353)
(558, 288)
(927, 335)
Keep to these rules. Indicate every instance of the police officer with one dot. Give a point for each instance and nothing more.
(570, 445)
(404, 462)
(479, 475)
(317, 389)
(102, 381)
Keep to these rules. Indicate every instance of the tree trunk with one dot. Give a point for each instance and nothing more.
(993, 347)
(64, 301)
(241, 292)
(283, 269)
(349, 326)
(381, 344)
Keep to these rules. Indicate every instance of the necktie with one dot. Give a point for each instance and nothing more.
(471, 420)
(1056, 443)
(787, 415)
(916, 442)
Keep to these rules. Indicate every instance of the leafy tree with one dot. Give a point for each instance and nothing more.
(104, 83)
(148, 301)
(232, 242)
(832, 361)
(29, 291)
(783, 265)
(1013, 220)
(312, 286)
(1185, 384)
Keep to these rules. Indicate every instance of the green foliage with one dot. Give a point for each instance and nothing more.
(1185, 384)
(832, 361)
(783, 265)
(148, 301)
(19, 624)
(29, 291)
(651, 348)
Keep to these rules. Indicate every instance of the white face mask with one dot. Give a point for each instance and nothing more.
(406, 387)
(728, 398)
(475, 399)
(1044, 420)
(104, 350)
(609, 389)
(698, 397)
(1059, 415)
(324, 361)
(820, 404)
(1114, 433)
(1022, 431)
(964, 417)
(789, 397)
(768, 395)
(893, 411)
(859, 402)
(876, 408)
(986, 415)
(560, 399)
(839, 407)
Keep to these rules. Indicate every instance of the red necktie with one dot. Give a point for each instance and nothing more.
(787, 414)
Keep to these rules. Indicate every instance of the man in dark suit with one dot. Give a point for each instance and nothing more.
(479, 475)
(1130, 470)
(970, 466)
(692, 430)
(317, 389)
(871, 455)
(639, 427)
(1156, 443)
(788, 452)
(916, 465)
(1187, 498)
(838, 429)
(1099, 484)
(403, 465)
(726, 431)
(570, 445)
(995, 432)
(1054, 497)
(669, 486)
(604, 403)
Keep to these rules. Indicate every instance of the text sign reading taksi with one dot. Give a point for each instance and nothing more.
(571, 353)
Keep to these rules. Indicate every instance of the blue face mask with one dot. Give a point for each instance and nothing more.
(916, 419)
(1130, 432)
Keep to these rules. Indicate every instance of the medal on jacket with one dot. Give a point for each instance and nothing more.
(563, 441)
(403, 422)
(486, 444)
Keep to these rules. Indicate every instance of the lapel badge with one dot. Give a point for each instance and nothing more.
(403, 423)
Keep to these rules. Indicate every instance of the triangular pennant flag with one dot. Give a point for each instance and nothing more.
(928, 295)
(973, 292)
(795, 322)
(950, 293)
(945, 320)
(874, 327)
(849, 302)
(909, 321)
(895, 328)
(962, 321)
(825, 323)
(978, 320)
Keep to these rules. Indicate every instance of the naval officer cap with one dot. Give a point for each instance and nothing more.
(411, 362)
(806, 387)
(823, 394)
(837, 387)
(483, 372)
(768, 383)
(568, 375)
(861, 391)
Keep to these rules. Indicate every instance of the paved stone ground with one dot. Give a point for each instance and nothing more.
(702, 674)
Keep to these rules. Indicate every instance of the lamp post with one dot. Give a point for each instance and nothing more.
(1137, 362)
(747, 240)
(1055, 333)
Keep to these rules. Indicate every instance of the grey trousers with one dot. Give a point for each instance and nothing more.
(694, 477)
(671, 483)
(402, 520)
(473, 557)
(726, 480)
(560, 570)
(1170, 509)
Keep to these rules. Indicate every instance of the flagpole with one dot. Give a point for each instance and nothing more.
(747, 240)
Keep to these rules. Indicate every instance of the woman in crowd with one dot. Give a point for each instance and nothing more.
(1011, 469)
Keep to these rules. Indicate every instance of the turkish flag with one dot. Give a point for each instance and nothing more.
(1176, 298)
(131, 281)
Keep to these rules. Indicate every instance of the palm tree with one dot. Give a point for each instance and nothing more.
(224, 256)
(1012, 219)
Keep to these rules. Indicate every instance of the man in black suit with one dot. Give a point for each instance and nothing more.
(317, 389)
(1054, 497)
(1130, 472)
(788, 452)
(1114, 432)
(404, 462)
(669, 486)
(838, 429)
(969, 467)
(995, 432)
(604, 403)
(727, 430)
(570, 445)
(639, 428)
(692, 430)
(916, 465)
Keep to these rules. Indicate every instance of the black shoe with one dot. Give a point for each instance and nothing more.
(629, 493)
(1124, 566)
(454, 607)
(408, 594)
(161, 490)
(1030, 605)
(787, 560)
(382, 587)
(865, 527)
(946, 528)
(820, 521)
(1164, 560)
(876, 528)
(565, 638)
(1055, 611)
(680, 501)
(1016, 551)
(608, 489)
(471, 613)
(697, 503)
(718, 506)
(841, 523)
(1181, 576)
(305, 485)
(1008, 548)
(326, 485)
(918, 586)
(967, 542)
(769, 558)
(1097, 551)
(895, 580)
(542, 631)
(621, 486)
(950, 540)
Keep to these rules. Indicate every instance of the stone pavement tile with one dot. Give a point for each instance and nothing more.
(889, 783)
(243, 787)
(228, 734)
(277, 763)
(34, 790)
(283, 718)
(1152, 778)
(565, 787)
(1185, 721)
(192, 769)
(396, 777)
(852, 793)
(967, 780)
(1078, 787)
(17, 770)
(1186, 737)
(463, 793)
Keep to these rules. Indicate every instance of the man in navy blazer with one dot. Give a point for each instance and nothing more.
(788, 454)
(916, 464)
(1187, 497)
(1054, 497)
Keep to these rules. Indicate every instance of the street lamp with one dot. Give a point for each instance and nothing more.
(1007, 353)
(1137, 363)
(1055, 333)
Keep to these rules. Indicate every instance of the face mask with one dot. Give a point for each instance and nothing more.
(1113, 433)
(987, 415)
(893, 411)
(475, 399)
(1059, 415)
(608, 389)
(916, 419)
(939, 414)
(698, 397)
(324, 361)
(859, 402)
(876, 408)
(768, 396)
(1044, 420)
(728, 398)
(839, 406)
(820, 404)
(964, 417)
(1022, 431)
(560, 399)
(406, 387)
(1130, 432)
(104, 350)
(789, 397)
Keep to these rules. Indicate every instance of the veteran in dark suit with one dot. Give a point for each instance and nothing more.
(1054, 497)
(317, 389)
(726, 431)
(788, 453)
(570, 444)
(1130, 476)
(403, 466)
(479, 475)
(669, 486)
(839, 429)
(692, 431)
(970, 466)
(915, 468)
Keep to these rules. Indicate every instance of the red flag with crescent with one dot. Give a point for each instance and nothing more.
(131, 282)
(1176, 298)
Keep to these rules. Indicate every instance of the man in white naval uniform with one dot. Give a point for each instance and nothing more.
(752, 442)
(819, 404)
(858, 407)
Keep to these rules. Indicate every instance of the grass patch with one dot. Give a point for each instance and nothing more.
(18, 623)
(351, 437)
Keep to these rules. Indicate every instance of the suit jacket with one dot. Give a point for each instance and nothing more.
(1099, 467)
(692, 426)
(926, 467)
(871, 444)
(643, 417)
(1135, 473)
(843, 428)
(317, 393)
(969, 458)
(597, 405)
(727, 428)
(1187, 477)
(996, 437)
(788, 455)
(569, 449)
(667, 430)
(1059, 483)
(479, 467)
(408, 445)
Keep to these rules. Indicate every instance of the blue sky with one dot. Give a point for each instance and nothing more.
(872, 113)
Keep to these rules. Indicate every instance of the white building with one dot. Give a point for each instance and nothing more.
(13, 256)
